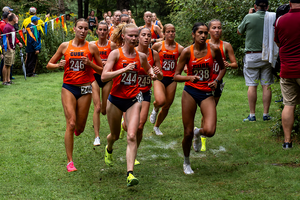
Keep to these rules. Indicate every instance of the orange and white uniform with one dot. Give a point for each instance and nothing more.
(168, 60)
(144, 79)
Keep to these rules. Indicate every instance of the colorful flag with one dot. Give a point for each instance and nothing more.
(22, 36)
(4, 42)
(46, 27)
(62, 21)
(52, 24)
(30, 33)
(35, 32)
(13, 38)
(57, 19)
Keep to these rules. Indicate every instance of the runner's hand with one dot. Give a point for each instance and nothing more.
(156, 70)
(86, 60)
(153, 76)
(226, 64)
(213, 84)
(129, 67)
(61, 63)
(194, 79)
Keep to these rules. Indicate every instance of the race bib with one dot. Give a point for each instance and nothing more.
(129, 78)
(86, 89)
(144, 80)
(216, 67)
(168, 65)
(76, 65)
(203, 73)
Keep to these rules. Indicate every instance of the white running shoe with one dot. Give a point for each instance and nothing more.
(157, 131)
(97, 141)
(153, 116)
(187, 169)
(197, 140)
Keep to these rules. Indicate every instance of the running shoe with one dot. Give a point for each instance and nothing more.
(136, 162)
(76, 133)
(122, 129)
(71, 167)
(157, 131)
(250, 119)
(153, 116)
(187, 169)
(108, 158)
(267, 118)
(197, 141)
(97, 141)
(203, 143)
(287, 145)
(131, 180)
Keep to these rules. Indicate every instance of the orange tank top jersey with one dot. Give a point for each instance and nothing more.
(77, 73)
(168, 60)
(104, 52)
(216, 68)
(144, 80)
(153, 34)
(111, 30)
(125, 86)
(202, 67)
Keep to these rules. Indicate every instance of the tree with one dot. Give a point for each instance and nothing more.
(79, 3)
(61, 6)
(86, 8)
(123, 4)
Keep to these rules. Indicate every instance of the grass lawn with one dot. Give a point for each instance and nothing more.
(242, 161)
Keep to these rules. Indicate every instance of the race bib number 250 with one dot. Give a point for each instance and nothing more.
(76, 65)
(168, 65)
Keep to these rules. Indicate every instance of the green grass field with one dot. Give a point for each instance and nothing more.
(242, 161)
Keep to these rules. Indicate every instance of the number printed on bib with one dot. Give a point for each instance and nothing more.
(203, 73)
(216, 67)
(144, 80)
(168, 65)
(129, 78)
(76, 65)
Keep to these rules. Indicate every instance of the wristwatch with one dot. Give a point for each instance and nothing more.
(217, 81)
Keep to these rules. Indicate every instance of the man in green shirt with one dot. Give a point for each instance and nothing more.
(255, 70)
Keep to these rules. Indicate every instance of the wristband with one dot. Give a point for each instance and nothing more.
(217, 81)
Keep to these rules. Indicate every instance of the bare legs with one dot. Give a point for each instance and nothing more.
(287, 122)
(252, 97)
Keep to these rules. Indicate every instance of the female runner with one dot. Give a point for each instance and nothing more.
(199, 85)
(215, 32)
(156, 21)
(76, 90)
(105, 47)
(123, 66)
(93, 21)
(145, 81)
(164, 90)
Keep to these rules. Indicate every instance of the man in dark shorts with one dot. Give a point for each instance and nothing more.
(287, 37)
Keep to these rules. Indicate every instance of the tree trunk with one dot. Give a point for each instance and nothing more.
(79, 8)
(61, 7)
(86, 8)
(123, 4)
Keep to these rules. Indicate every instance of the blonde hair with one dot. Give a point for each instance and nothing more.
(116, 36)
(166, 26)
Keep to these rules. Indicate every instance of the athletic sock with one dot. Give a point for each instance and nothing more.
(266, 114)
(252, 115)
(110, 152)
(187, 160)
(129, 172)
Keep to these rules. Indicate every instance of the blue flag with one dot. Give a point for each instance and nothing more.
(4, 42)
(46, 25)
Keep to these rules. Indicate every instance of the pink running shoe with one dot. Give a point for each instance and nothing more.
(71, 167)
(76, 133)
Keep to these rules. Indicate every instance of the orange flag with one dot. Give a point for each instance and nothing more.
(62, 21)
(30, 33)
(22, 36)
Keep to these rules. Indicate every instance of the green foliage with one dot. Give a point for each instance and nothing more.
(277, 127)
(230, 13)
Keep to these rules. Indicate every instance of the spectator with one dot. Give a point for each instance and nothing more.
(93, 20)
(68, 17)
(109, 13)
(32, 12)
(255, 69)
(287, 37)
(9, 55)
(33, 48)
(3, 22)
(7, 9)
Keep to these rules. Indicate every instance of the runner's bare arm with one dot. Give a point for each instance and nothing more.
(52, 64)
(146, 66)
(157, 66)
(229, 50)
(96, 55)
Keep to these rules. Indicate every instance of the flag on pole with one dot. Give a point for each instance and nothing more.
(30, 33)
(4, 42)
(35, 32)
(13, 38)
(46, 27)
(22, 36)
(57, 19)
(62, 21)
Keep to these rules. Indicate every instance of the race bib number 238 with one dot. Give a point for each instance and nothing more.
(203, 73)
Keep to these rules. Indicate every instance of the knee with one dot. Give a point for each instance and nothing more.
(71, 125)
(131, 137)
(97, 109)
(166, 107)
(188, 134)
(209, 132)
(160, 102)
